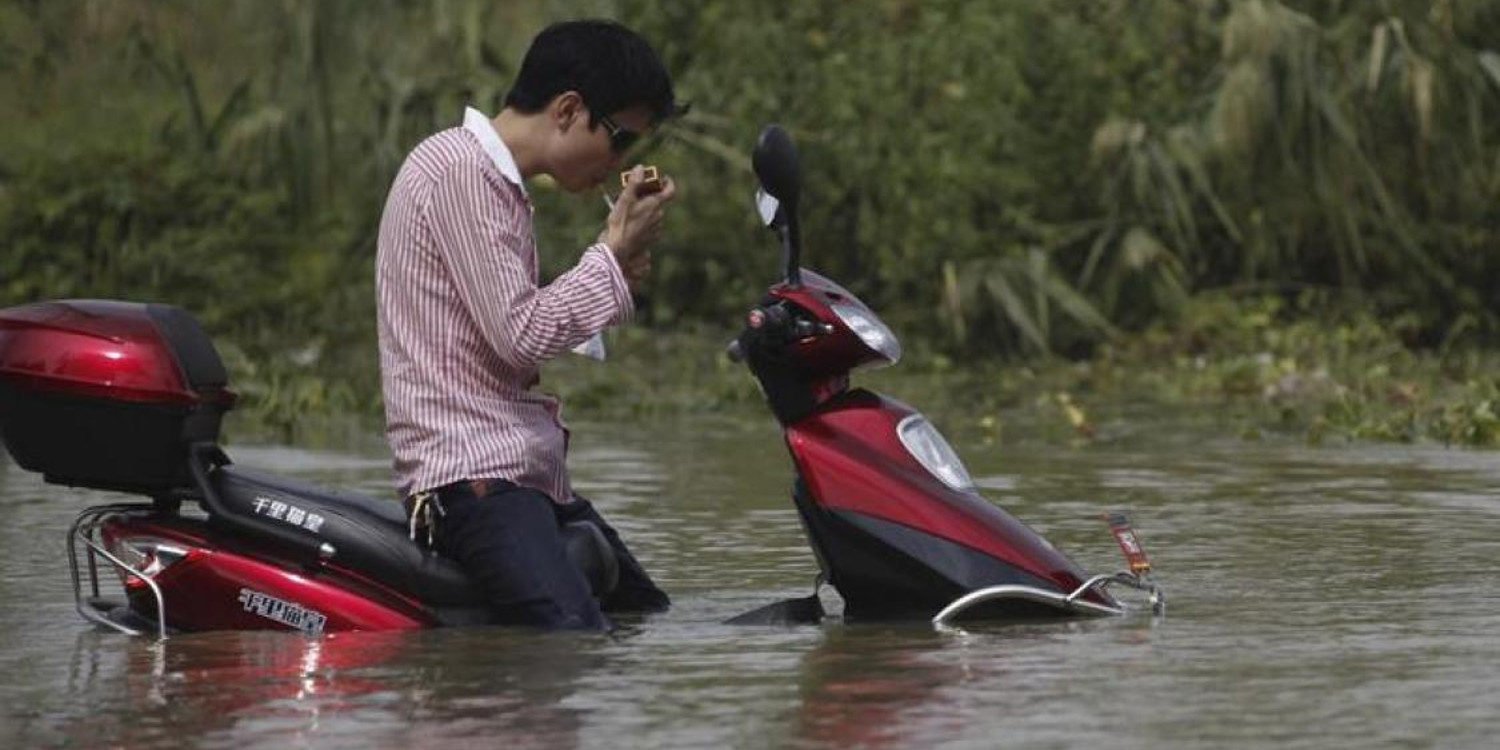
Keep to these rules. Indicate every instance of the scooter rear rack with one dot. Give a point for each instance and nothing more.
(1072, 603)
(94, 608)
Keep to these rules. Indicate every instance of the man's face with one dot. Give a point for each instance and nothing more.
(586, 157)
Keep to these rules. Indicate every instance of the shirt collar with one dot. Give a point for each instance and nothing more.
(477, 123)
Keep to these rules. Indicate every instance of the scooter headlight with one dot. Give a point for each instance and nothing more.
(870, 330)
(927, 445)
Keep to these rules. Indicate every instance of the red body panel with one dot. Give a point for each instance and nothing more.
(215, 589)
(851, 459)
(834, 354)
(102, 349)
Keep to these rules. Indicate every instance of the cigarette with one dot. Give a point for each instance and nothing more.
(608, 201)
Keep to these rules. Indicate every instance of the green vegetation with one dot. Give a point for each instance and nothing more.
(1251, 365)
(1288, 205)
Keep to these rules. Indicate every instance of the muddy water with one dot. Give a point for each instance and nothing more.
(1334, 596)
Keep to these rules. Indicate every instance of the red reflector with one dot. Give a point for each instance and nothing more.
(1130, 544)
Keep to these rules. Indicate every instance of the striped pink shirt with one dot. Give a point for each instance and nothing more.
(465, 324)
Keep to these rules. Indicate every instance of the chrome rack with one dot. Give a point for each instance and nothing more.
(83, 532)
(1072, 603)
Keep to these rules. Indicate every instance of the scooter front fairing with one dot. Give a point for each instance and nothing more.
(897, 538)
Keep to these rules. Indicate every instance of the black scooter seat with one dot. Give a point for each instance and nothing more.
(370, 536)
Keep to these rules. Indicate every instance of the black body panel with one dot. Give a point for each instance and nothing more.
(367, 535)
(99, 443)
(887, 570)
(202, 368)
(371, 537)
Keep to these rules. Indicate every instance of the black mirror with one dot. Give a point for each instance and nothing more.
(780, 173)
(777, 166)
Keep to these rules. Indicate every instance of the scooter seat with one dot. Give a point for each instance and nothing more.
(370, 536)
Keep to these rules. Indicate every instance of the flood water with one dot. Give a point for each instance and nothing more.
(1319, 597)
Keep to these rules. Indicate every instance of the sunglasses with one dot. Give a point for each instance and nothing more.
(620, 139)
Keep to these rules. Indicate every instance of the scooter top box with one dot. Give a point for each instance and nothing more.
(108, 394)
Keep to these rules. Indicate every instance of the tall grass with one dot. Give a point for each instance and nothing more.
(1351, 155)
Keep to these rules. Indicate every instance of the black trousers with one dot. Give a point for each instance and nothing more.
(508, 540)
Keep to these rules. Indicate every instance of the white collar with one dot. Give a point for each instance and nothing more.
(475, 122)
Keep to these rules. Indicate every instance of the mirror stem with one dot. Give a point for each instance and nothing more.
(791, 243)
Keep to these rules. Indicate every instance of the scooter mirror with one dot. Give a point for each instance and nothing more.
(780, 174)
(777, 166)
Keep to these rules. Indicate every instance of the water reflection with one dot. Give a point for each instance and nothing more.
(874, 687)
(436, 689)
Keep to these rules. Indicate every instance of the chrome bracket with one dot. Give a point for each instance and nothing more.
(1071, 603)
(84, 532)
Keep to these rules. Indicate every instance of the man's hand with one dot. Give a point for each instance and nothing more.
(634, 224)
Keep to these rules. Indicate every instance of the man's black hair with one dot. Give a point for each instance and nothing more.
(610, 66)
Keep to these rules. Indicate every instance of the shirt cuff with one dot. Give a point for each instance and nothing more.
(621, 288)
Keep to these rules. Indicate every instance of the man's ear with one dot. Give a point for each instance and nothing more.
(567, 109)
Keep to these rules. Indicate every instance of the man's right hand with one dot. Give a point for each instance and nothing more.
(634, 224)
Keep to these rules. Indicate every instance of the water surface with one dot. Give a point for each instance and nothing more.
(1319, 597)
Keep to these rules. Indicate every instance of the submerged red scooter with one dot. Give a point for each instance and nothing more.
(128, 397)
(898, 526)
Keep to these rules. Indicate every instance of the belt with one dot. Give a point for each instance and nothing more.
(480, 487)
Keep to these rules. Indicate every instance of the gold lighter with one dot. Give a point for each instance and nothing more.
(650, 181)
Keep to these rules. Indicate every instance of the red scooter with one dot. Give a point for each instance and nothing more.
(128, 397)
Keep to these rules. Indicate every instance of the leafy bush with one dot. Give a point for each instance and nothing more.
(1028, 176)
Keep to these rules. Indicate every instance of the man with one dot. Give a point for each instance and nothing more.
(465, 326)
